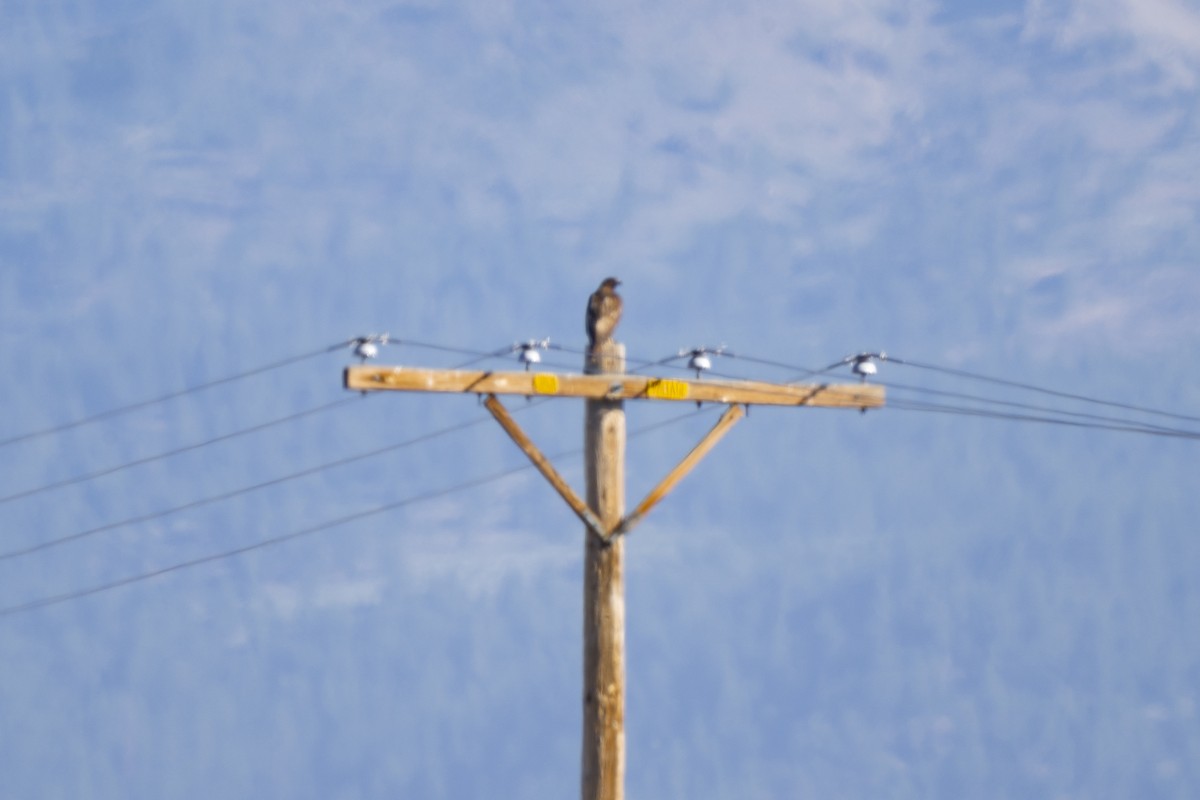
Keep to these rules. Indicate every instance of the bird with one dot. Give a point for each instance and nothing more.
(603, 312)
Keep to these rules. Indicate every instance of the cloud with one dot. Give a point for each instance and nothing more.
(625, 135)
(1161, 34)
(1117, 313)
(1070, 154)
(704, 118)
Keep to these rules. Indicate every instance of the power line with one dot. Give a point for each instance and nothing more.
(642, 363)
(1107, 422)
(666, 361)
(264, 543)
(228, 495)
(807, 372)
(1101, 422)
(482, 355)
(1098, 422)
(236, 492)
(464, 351)
(1031, 387)
(723, 351)
(975, 376)
(287, 537)
(581, 352)
(1120, 421)
(274, 365)
(1064, 417)
(478, 356)
(177, 451)
(239, 491)
(1082, 420)
(908, 405)
(113, 412)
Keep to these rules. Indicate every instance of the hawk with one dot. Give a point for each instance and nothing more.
(603, 312)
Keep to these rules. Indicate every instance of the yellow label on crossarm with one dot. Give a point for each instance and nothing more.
(545, 383)
(666, 389)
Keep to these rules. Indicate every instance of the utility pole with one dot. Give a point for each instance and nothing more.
(603, 762)
(605, 386)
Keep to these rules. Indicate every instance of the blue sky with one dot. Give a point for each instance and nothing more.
(931, 603)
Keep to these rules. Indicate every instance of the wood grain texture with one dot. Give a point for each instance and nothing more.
(672, 478)
(544, 466)
(613, 386)
(603, 757)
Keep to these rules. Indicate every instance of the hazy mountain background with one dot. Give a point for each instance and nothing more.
(897, 604)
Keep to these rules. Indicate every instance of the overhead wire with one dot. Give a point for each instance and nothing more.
(1102, 422)
(78, 594)
(479, 356)
(244, 490)
(1033, 388)
(1120, 421)
(1048, 415)
(806, 371)
(476, 355)
(237, 376)
(464, 351)
(125, 409)
(908, 405)
(1073, 418)
(178, 450)
(640, 364)
(259, 545)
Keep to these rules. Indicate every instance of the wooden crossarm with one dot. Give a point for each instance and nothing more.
(366, 378)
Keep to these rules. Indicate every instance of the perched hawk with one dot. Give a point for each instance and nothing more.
(603, 312)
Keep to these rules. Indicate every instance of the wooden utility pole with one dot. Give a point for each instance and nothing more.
(605, 386)
(603, 762)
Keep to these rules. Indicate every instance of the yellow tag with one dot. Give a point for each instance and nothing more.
(545, 383)
(666, 389)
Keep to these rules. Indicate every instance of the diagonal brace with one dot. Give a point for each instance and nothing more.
(544, 466)
(731, 415)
